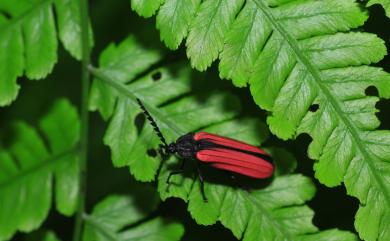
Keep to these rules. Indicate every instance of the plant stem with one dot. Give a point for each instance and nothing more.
(84, 118)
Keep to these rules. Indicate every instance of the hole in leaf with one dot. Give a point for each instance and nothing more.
(314, 107)
(371, 91)
(139, 122)
(156, 76)
(151, 152)
(383, 105)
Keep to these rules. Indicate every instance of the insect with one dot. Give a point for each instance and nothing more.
(216, 151)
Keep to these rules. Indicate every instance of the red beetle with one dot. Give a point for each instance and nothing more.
(216, 151)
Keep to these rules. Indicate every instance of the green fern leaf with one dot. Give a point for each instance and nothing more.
(146, 8)
(114, 213)
(174, 19)
(123, 69)
(275, 212)
(293, 56)
(28, 40)
(28, 166)
(206, 36)
(385, 4)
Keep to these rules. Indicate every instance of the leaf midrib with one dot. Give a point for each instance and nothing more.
(266, 214)
(326, 92)
(310, 15)
(48, 163)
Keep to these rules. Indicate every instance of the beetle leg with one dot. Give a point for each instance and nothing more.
(181, 170)
(201, 183)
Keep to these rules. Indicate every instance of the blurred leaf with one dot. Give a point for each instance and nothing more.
(28, 40)
(69, 26)
(28, 166)
(299, 54)
(275, 212)
(110, 217)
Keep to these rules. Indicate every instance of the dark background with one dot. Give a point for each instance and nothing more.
(112, 22)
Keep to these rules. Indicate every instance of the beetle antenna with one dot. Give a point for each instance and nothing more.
(152, 122)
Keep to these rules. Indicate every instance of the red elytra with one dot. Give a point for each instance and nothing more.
(234, 156)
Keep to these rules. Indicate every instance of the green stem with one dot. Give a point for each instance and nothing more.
(85, 78)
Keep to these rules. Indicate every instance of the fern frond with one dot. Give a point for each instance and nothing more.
(295, 54)
(28, 40)
(111, 216)
(28, 166)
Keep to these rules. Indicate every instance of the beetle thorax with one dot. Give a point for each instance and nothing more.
(186, 146)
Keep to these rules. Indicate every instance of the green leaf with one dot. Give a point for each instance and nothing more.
(146, 8)
(69, 26)
(243, 44)
(114, 213)
(318, 70)
(385, 4)
(208, 29)
(174, 19)
(122, 63)
(28, 40)
(295, 54)
(62, 129)
(28, 166)
(276, 212)
(12, 54)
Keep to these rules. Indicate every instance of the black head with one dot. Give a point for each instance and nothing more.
(186, 147)
(172, 148)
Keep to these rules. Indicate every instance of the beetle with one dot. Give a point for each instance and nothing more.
(216, 151)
